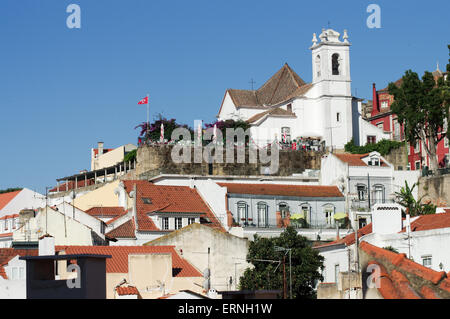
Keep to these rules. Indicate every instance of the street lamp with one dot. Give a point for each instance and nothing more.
(286, 250)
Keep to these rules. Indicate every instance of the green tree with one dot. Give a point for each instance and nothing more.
(306, 265)
(422, 105)
(152, 132)
(406, 198)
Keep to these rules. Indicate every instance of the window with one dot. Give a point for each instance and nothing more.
(284, 209)
(14, 273)
(378, 194)
(426, 261)
(289, 108)
(361, 190)
(362, 222)
(318, 73)
(336, 273)
(335, 64)
(397, 136)
(338, 117)
(286, 134)
(329, 216)
(165, 223)
(21, 273)
(262, 215)
(242, 216)
(417, 147)
(305, 211)
(374, 161)
(146, 200)
(417, 164)
(445, 142)
(191, 221)
(178, 223)
(384, 104)
(371, 139)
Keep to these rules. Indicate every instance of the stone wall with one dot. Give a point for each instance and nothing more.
(435, 189)
(155, 160)
(398, 157)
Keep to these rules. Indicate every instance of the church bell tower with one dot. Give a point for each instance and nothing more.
(331, 63)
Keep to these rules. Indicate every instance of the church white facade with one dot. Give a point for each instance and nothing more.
(286, 106)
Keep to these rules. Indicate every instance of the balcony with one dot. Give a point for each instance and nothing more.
(363, 205)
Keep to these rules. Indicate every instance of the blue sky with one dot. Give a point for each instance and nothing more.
(62, 90)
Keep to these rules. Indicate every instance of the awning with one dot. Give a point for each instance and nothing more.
(340, 215)
(297, 216)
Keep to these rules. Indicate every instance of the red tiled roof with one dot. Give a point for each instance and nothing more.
(6, 235)
(113, 211)
(126, 230)
(352, 159)
(6, 254)
(432, 221)
(167, 199)
(5, 198)
(282, 190)
(126, 291)
(355, 159)
(396, 285)
(119, 261)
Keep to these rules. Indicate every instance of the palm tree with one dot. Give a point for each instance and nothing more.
(406, 198)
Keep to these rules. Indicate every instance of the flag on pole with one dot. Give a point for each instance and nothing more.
(144, 100)
(161, 137)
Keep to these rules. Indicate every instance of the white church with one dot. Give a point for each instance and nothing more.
(286, 107)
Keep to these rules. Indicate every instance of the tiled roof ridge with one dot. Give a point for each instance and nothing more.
(402, 268)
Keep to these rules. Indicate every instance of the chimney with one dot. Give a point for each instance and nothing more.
(47, 245)
(100, 148)
(386, 219)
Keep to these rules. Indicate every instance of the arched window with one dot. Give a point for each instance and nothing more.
(378, 194)
(318, 68)
(242, 213)
(283, 208)
(305, 210)
(361, 190)
(263, 218)
(335, 64)
(329, 211)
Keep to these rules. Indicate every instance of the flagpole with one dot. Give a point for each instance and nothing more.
(148, 122)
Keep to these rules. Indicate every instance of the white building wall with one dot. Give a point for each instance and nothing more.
(26, 199)
(15, 286)
(332, 258)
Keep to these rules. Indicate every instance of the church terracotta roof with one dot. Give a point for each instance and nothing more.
(282, 86)
(277, 111)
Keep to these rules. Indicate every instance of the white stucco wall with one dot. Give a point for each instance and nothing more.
(15, 286)
(26, 199)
